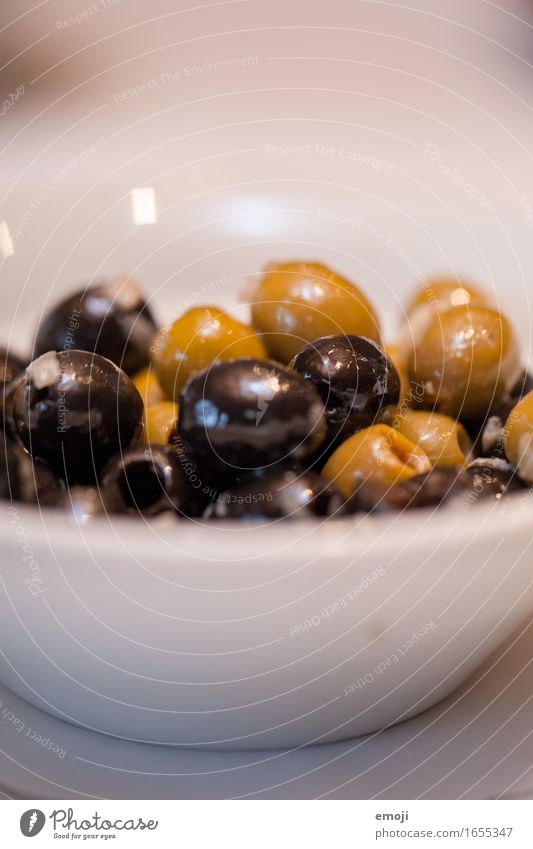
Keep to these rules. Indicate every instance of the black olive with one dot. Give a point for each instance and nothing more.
(111, 320)
(489, 440)
(288, 465)
(10, 366)
(8, 393)
(277, 495)
(483, 479)
(492, 477)
(9, 467)
(11, 369)
(38, 484)
(523, 385)
(245, 414)
(425, 490)
(8, 423)
(358, 383)
(24, 479)
(150, 480)
(490, 436)
(74, 410)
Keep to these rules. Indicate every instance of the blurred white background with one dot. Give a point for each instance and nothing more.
(392, 141)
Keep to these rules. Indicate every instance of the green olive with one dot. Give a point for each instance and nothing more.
(444, 440)
(397, 360)
(465, 361)
(148, 386)
(196, 340)
(436, 296)
(298, 302)
(379, 453)
(443, 293)
(159, 422)
(518, 437)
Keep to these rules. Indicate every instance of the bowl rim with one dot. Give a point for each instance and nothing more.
(238, 541)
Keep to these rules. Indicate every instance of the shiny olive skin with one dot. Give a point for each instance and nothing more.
(24, 479)
(518, 437)
(523, 385)
(159, 423)
(490, 436)
(394, 356)
(246, 414)
(278, 495)
(491, 477)
(11, 369)
(74, 410)
(357, 382)
(297, 302)
(466, 361)
(435, 297)
(443, 439)
(430, 489)
(196, 340)
(11, 366)
(443, 293)
(379, 453)
(7, 394)
(489, 440)
(8, 468)
(460, 487)
(149, 481)
(148, 386)
(112, 320)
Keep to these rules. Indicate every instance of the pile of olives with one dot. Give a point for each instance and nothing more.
(304, 412)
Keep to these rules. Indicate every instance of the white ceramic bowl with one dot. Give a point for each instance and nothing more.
(242, 636)
(253, 636)
(215, 634)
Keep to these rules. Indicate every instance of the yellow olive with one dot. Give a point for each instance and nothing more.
(465, 361)
(444, 440)
(379, 453)
(148, 386)
(518, 437)
(298, 302)
(196, 340)
(159, 422)
(442, 293)
(436, 296)
(393, 353)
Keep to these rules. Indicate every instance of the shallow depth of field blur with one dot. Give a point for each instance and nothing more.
(392, 142)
